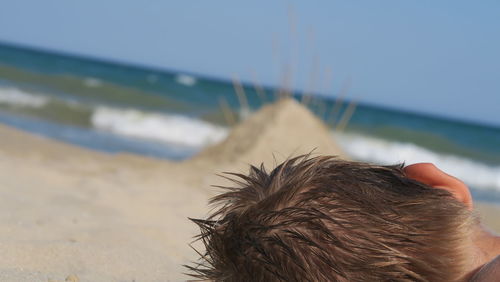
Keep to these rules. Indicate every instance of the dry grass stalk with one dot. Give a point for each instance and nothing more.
(346, 117)
(242, 97)
(313, 77)
(338, 103)
(227, 112)
(261, 93)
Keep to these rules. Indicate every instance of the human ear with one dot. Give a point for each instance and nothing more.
(429, 174)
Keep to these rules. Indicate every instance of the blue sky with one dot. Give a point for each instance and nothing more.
(439, 57)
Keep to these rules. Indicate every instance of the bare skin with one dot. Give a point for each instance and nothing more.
(489, 272)
(484, 264)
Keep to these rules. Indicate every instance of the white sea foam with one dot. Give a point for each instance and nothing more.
(92, 82)
(371, 149)
(156, 126)
(17, 97)
(185, 79)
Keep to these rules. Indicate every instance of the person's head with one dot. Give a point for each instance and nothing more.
(326, 219)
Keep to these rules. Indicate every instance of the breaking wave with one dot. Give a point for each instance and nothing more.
(92, 82)
(472, 172)
(13, 96)
(157, 126)
(185, 79)
(169, 128)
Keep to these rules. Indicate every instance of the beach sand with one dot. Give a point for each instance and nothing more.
(68, 212)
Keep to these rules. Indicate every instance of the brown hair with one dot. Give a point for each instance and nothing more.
(326, 219)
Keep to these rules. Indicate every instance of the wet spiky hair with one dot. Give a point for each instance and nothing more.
(326, 219)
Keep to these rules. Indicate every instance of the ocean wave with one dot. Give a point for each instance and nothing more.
(474, 173)
(17, 97)
(92, 82)
(152, 78)
(168, 128)
(185, 79)
(157, 126)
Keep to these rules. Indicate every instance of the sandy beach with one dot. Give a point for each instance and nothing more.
(71, 213)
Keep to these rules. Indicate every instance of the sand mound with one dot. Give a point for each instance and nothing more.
(68, 211)
(281, 130)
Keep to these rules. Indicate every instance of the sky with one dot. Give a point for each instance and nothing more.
(436, 57)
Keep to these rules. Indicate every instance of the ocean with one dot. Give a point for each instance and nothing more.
(115, 107)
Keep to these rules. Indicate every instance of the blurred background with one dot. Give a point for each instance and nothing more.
(396, 81)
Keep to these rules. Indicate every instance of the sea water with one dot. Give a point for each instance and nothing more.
(115, 107)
